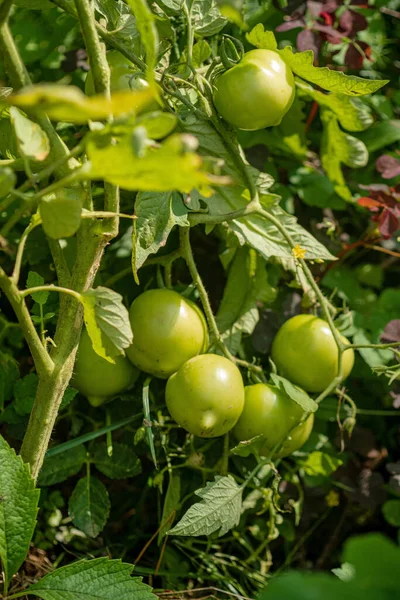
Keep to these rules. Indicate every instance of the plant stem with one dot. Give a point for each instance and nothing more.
(21, 246)
(43, 363)
(111, 39)
(50, 288)
(187, 254)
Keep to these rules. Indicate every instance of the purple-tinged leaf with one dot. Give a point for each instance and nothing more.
(288, 25)
(391, 333)
(307, 40)
(388, 166)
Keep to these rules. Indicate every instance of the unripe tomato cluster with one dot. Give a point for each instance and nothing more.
(205, 393)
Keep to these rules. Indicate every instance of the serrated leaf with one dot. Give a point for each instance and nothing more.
(295, 393)
(32, 140)
(61, 466)
(352, 113)
(107, 322)
(157, 214)
(248, 447)
(206, 17)
(256, 231)
(219, 509)
(339, 148)
(147, 29)
(69, 103)
(122, 463)
(98, 579)
(262, 39)
(18, 509)
(320, 463)
(302, 64)
(34, 280)
(89, 506)
(171, 503)
(170, 166)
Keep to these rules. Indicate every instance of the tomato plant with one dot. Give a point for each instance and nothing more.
(168, 329)
(206, 395)
(98, 379)
(236, 167)
(273, 414)
(305, 351)
(257, 92)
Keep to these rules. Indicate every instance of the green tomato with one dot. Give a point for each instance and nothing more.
(206, 395)
(98, 379)
(123, 76)
(257, 92)
(305, 352)
(168, 329)
(272, 413)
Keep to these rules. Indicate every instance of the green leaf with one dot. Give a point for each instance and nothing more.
(122, 463)
(320, 463)
(248, 447)
(254, 230)
(34, 280)
(157, 214)
(262, 39)
(302, 65)
(8, 180)
(372, 356)
(24, 393)
(33, 142)
(338, 147)
(148, 33)
(61, 213)
(69, 395)
(61, 466)
(89, 506)
(219, 509)
(391, 512)
(171, 166)
(18, 509)
(201, 52)
(157, 124)
(353, 114)
(380, 135)
(315, 189)
(172, 503)
(246, 287)
(312, 586)
(376, 562)
(107, 322)
(69, 103)
(206, 17)
(295, 393)
(98, 579)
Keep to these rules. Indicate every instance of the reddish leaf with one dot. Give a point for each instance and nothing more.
(351, 23)
(369, 203)
(391, 333)
(315, 8)
(288, 25)
(307, 40)
(388, 223)
(388, 166)
(354, 58)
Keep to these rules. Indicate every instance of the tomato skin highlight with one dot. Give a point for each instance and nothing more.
(272, 413)
(206, 395)
(168, 330)
(305, 352)
(98, 379)
(257, 92)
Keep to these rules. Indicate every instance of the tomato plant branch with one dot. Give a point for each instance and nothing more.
(187, 254)
(50, 288)
(111, 39)
(21, 246)
(43, 363)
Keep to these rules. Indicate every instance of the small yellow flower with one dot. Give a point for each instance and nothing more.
(298, 251)
(332, 499)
